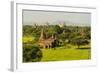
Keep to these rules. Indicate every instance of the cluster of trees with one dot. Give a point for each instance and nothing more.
(74, 35)
(65, 34)
(31, 53)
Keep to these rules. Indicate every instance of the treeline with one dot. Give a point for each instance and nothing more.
(64, 33)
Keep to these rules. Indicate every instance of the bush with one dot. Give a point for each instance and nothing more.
(31, 53)
(80, 41)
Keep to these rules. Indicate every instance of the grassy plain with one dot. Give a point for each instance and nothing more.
(66, 53)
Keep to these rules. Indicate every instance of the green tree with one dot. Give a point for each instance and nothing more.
(79, 41)
(31, 53)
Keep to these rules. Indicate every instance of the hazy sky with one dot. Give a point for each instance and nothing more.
(41, 17)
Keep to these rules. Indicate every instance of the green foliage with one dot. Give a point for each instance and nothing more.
(27, 29)
(79, 41)
(63, 33)
(31, 53)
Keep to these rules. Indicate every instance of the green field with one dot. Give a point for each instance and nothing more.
(61, 54)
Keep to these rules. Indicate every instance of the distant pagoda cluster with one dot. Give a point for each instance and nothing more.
(45, 42)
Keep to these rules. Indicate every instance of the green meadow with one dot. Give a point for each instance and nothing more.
(63, 53)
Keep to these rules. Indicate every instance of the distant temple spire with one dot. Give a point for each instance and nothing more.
(53, 36)
(42, 36)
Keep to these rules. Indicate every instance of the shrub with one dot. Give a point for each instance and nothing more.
(31, 53)
(79, 41)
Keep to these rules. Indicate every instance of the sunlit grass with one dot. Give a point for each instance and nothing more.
(65, 53)
(28, 39)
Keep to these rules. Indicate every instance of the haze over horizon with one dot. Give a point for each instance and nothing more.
(42, 17)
